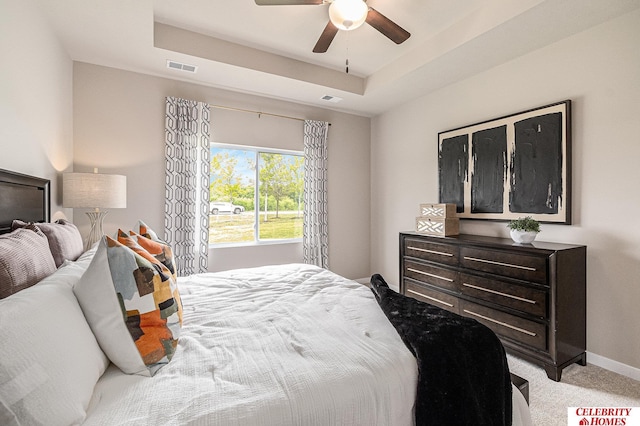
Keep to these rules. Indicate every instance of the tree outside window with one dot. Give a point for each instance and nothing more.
(256, 195)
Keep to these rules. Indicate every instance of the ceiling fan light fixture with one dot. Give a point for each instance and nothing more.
(348, 14)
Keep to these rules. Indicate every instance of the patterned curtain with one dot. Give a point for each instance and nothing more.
(315, 238)
(187, 184)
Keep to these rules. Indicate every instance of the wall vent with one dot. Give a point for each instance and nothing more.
(330, 98)
(182, 67)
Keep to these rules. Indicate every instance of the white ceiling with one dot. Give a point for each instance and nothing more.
(266, 50)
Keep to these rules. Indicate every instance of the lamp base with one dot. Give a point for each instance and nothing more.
(96, 218)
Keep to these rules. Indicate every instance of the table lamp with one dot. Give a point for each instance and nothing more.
(94, 190)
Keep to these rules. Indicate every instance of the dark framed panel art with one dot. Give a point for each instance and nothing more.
(509, 167)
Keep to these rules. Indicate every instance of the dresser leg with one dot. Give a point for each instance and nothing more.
(583, 360)
(554, 373)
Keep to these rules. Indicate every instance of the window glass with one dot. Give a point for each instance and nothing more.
(255, 195)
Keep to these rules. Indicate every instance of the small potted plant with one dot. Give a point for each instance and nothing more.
(524, 229)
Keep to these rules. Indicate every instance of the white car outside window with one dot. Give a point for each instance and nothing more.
(218, 207)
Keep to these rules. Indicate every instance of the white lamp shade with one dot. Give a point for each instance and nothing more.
(94, 190)
(348, 14)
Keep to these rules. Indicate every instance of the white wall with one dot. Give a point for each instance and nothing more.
(599, 71)
(35, 99)
(119, 128)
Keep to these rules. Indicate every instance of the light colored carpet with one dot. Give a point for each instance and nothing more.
(588, 386)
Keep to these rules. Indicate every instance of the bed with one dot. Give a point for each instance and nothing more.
(276, 345)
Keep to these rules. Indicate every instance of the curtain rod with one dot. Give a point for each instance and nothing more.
(256, 112)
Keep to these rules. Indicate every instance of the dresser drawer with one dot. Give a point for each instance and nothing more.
(503, 293)
(519, 329)
(433, 252)
(430, 274)
(433, 297)
(505, 263)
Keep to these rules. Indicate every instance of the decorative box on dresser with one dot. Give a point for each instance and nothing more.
(533, 296)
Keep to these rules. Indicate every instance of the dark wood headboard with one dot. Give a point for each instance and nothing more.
(23, 197)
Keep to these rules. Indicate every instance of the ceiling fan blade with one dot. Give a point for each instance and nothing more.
(287, 2)
(386, 26)
(326, 38)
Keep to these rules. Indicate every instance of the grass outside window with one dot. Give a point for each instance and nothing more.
(239, 228)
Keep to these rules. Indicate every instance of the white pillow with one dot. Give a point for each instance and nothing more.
(49, 359)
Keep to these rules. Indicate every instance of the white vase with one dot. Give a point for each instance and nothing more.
(523, 237)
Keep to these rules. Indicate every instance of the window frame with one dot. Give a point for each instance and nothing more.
(256, 194)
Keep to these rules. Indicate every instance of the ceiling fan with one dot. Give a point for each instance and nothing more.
(346, 15)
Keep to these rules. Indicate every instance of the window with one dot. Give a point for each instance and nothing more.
(256, 195)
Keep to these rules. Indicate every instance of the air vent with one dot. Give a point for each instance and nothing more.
(330, 98)
(182, 67)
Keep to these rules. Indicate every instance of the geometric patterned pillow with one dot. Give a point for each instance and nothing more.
(157, 253)
(160, 250)
(133, 243)
(133, 307)
(147, 232)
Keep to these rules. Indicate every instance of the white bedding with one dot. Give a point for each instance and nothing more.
(278, 345)
(281, 345)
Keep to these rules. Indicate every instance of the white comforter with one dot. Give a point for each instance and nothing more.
(274, 346)
(279, 345)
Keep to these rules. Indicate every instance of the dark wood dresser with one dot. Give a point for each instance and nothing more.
(533, 296)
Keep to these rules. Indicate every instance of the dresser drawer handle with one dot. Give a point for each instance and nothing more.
(429, 275)
(475, 259)
(441, 253)
(504, 324)
(522, 299)
(430, 298)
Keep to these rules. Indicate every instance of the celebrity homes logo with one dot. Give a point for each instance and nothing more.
(603, 416)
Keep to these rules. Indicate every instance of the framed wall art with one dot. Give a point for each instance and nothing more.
(509, 167)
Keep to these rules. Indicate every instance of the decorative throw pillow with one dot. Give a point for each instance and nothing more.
(133, 307)
(147, 232)
(64, 238)
(160, 251)
(129, 241)
(25, 259)
(50, 360)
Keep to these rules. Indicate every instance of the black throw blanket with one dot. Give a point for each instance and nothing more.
(463, 376)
